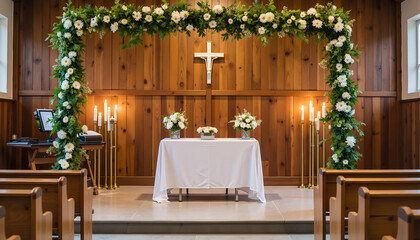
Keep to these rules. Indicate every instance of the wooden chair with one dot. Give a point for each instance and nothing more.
(54, 199)
(377, 212)
(408, 225)
(347, 197)
(76, 188)
(327, 188)
(3, 227)
(24, 214)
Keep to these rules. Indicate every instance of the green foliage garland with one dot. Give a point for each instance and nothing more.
(234, 22)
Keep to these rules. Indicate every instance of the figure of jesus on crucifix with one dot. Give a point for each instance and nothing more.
(208, 57)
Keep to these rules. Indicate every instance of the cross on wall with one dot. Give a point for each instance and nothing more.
(208, 57)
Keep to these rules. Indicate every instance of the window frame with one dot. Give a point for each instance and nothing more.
(418, 54)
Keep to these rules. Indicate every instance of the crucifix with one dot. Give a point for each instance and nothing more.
(208, 57)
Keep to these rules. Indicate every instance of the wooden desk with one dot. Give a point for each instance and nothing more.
(34, 148)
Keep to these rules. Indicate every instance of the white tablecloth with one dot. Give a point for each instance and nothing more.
(219, 163)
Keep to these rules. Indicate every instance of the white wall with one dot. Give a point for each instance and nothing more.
(6, 10)
(410, 13)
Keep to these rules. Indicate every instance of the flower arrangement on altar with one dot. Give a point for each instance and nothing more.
(174, 123)
(207, 133)
(245, 122)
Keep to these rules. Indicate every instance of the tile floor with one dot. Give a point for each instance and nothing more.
(134, 203)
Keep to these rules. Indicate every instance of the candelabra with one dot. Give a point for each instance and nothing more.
(99, 164)
(302, 185)
(317, 153)
(323, 144)
(313, 154)
(94, 179)
(114, 148)
(310, 155)
(106, 156)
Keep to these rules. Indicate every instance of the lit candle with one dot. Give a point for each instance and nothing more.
(317, 124)
(105, 112)
(312, 114)
(323, 110)
(100, 120)
(318, 115)
(302, 113)
(95, 113)
(110, 122)
(115, 112)
(108, 114)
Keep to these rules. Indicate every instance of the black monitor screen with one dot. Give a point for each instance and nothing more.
(45, 117)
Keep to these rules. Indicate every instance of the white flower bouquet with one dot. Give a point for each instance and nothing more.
(207, 133)
(245, 122)
(174, 123)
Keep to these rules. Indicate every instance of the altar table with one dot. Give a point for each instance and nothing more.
(220, 163)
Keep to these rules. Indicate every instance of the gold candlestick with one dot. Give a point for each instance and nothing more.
(115, 154)
(302, 185)
(99, 163)
(111, 187)
(317, 156)
(310, 156)
(94, 157)
(106, 155)
(323, 144)
(313, 154)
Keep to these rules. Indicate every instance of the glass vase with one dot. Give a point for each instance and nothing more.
(207, 136)
(246, 134)
(175, 134)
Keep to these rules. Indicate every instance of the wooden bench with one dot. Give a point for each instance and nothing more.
(3, 227)
(347, 197)
(76, 188)
(24, 214)
(54, 199)
(327, 188)
(377, 212)
(408, 224)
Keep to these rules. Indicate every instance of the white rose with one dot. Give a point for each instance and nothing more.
(270, 16)
(114, 27)
(345, 95)
(189, 27)
(124, 7)
(244, 18)
(61, 134)
(181, 125)
(60, 95)
(72, 54)
(65, 85)
(67, 35)
(236, 123)
(330, 19)
(67, 24)
(339, 44)
(169, 125)
(263, 18)
(218, 9)
(59, 34)
(243, 125)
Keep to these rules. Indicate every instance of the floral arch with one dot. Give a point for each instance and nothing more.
(235, 22)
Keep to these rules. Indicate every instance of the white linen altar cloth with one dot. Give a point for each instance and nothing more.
(219, 163)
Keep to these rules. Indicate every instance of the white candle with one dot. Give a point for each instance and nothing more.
(100, 120)
(318, 115)
(110, 123)
(323, 110)
(302, 113)
(317, 124)
(115, 112)
(312, 114)
(95, 113)
(105, 112)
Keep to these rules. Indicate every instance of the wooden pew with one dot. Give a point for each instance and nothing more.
(76, 188)
(327, 188)
(3, 227)
(408, 225)
(377, 212)
(347, 197)
(24, 214)
(54, 199)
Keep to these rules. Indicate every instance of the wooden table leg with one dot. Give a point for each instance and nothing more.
(95, 188)
(31, 158)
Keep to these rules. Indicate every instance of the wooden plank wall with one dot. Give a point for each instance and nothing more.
(272, 82)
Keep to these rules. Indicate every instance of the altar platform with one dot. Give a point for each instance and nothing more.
(130, 209)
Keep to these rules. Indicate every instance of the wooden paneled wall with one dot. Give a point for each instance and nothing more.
(272, 82)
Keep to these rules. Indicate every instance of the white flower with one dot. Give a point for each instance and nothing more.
(345, 161)
(59, 34)
(114, 27)
(94, 22)
(61, 134)
(145, 9)
(244, 18)
(339, 67)
(311, 11)
(79, 33)
(85, 128)
(332, 148)
(60, 95)
(67, 75)
(261, 30)
(242, 26)
(165, 6)
(65, 85)
(206, 16)
(199, 130)
(339, 44)
(289, 21)
(70, 71)
(184, 14)
(342, 38)
(76, 85)
(335, 157)
(230, 20)
(65, 104)
(106, 19)
(136, 15)
(248, 126)
(340, 106)
(67, 35)
(334, 7)
(317, 15)
(65, 165)
(350, 141)
(353, 112)
(330, 19)
(242, 125)
(338, 27)
(212, 24)
(339, 20)
(218, 9)
(317, 23)
(293, 17)
(159, 11)
(176, 17)
(349, 29)
(124, 21)
(56, 144)
(67, 24)
(328, 47)
(236, 123)
(181, 125)
(149, 18)
(78, 24)
(275, 26)
(65, 119)
(345, 95)
(124, 7)
(169, 125)
(189, 27)
(347, 109)
(254, 124)
(72, 54)
(342, 78)
(270, 16)
(302, 14)
(263, 18)
(302, 24)
(343, 84)
(348, 58)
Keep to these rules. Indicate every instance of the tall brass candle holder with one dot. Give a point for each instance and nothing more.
(114, 147)
(106, 155)
(310, 155)
(94, 179)
(99, 163)
(302, 185)
(313, 154)
(323, 144)
(317, 154)
(110, 131)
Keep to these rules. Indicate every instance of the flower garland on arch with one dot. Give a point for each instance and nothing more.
(234, 22)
